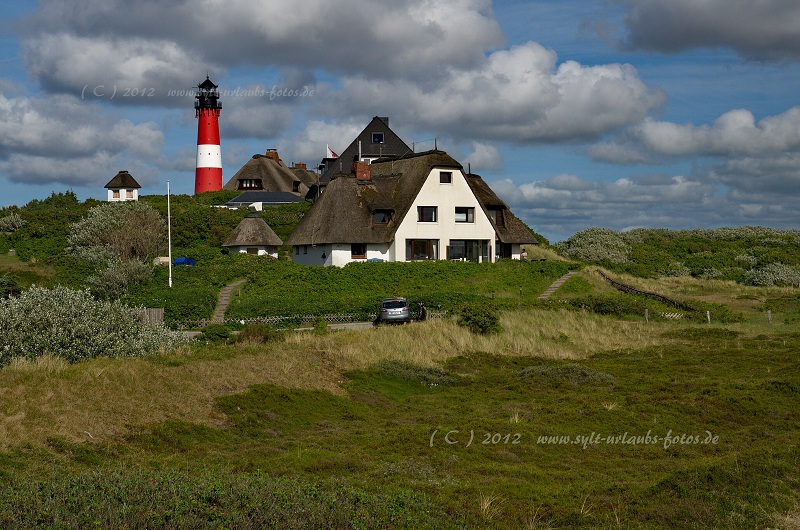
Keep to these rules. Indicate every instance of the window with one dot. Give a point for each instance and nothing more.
(465, 214)
(296, 186)
(250, 184)
(129, 194)
(381, 217)
(252, 250)
(115, 194)
(445, 177)
(422, 249)
(468, 250)
(297, 250)
(497, 216)
(358, 250)
(377, 138)
(426, 214)
(305, 249)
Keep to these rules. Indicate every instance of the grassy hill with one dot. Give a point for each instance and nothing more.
(566, 419)
(581, 413)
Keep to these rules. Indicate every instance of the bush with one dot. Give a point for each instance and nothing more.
(480, 318)
(74, 326)
(9, 286)
(595, 245)
(11, 223)
(260, 333)
(216, 333)
(773, 274)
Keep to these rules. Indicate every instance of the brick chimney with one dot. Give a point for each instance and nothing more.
(273, 154)
(361, 171)
(299, 165)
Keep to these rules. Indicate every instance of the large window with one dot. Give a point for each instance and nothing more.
(426, 214)
(422, 249)
(468, 250)
(465, 214)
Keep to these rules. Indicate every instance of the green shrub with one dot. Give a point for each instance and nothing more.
(74, 326)
(480, 318)
(570, 373)
(428, 376)
(216, 333)
(262, 333)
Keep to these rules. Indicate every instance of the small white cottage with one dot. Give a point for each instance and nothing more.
(123, 187)
(253, 236)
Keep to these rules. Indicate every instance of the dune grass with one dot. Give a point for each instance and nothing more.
(420, 426)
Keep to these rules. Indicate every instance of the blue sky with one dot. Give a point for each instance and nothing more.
(617, 113)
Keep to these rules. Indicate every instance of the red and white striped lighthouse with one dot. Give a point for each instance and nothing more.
(208, 175)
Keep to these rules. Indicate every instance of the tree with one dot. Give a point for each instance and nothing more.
(126, 230)
(122, 239)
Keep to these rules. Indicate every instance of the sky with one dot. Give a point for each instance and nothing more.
(578, 113)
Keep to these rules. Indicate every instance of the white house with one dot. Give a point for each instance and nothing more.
(415, 207)
(123, 187)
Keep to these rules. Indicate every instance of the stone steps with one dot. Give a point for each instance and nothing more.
(223, 300)
(556, 284)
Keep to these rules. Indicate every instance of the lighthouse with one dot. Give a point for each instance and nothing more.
(208, 175)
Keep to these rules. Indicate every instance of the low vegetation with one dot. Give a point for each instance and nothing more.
(750, 255)
(591, 409)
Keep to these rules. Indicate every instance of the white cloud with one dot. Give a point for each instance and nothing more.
(518, 95)
(484, 156)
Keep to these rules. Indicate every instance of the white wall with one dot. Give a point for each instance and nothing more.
(446, 197)
(123, 195)
(262, 251)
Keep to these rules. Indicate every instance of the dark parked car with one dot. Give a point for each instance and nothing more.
(394, 310)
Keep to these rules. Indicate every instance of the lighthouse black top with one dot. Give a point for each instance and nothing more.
(207, 95)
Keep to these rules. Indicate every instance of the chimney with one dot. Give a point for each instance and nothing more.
(273, 154)
(299, 165)
(361, 170)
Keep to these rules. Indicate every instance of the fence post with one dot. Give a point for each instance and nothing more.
(708, 316)
(769, 315)
(646, 315)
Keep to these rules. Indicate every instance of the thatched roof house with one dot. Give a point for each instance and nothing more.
(253, 236)
(267, 172)
(417, 206)
(123, 187)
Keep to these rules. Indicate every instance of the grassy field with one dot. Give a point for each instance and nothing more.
(564, 420)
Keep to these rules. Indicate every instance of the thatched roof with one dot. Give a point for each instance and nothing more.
(272, 174)
(252, 231)
(513, 231)
(344, 213)
(123, 179)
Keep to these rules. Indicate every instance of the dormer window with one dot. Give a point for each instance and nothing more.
(250, 184)
(377, 138)
(381, 217)
(497, 216)
(296, 186)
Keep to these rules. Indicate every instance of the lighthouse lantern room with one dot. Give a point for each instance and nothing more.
(208, 175)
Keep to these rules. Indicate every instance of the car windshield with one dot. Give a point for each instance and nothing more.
(394, 304)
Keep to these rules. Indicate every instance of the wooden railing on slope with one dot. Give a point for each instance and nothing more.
(628, 289)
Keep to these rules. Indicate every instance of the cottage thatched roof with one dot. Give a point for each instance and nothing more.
(343, 214)
(252, 231)
(123, 179)
(513, 231)
(271, 173)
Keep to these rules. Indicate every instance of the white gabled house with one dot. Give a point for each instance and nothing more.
(415, 207)
(123, 187)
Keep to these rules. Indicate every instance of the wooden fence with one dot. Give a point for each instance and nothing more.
(628, 289)
(294, 320)
(152, 315)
